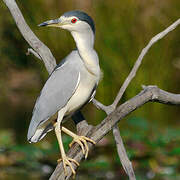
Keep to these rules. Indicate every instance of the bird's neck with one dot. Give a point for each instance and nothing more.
(85, 45)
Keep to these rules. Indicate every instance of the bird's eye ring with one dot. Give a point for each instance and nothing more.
(74, 20)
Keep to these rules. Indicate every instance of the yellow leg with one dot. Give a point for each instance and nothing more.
(81, 140)
(65, 160)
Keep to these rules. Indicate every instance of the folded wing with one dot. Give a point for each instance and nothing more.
(55, 94)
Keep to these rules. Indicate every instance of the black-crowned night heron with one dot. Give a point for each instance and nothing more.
(71, 85)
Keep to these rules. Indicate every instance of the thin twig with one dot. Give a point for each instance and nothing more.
(99, 105)
(108, 109)
(126, 163)
(31, 51)
(140, 58)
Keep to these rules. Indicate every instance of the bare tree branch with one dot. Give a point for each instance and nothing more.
(126, 163)
(101, 106)
(108, 109)
(149, 94)
(140, 58)
(42, 50)
(31, 51)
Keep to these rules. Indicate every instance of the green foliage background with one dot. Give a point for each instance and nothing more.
(123, 28)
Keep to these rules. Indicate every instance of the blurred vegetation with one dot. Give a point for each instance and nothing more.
(151, 134)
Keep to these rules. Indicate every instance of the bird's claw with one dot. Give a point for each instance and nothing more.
(67, 162)
(82, 141)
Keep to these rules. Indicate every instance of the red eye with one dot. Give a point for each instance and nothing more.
(74, 20)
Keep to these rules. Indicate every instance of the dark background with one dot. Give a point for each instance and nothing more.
(151, 134)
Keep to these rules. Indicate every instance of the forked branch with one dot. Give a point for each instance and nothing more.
(108, 109)
(148, 94)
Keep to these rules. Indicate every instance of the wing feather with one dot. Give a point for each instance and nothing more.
(55, 94)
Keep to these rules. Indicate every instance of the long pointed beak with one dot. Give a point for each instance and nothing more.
(52, 23)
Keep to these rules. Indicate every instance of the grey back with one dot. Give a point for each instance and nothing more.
(55, 94)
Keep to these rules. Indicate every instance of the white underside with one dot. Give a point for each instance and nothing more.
(81, 94)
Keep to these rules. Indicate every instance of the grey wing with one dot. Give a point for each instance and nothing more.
(55, 94)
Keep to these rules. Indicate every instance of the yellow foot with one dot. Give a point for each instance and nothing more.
(67, 162)
(82, 141)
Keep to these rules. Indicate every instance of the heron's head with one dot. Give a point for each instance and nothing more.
(77, 21)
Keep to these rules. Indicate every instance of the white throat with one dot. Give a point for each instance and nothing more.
(85, 45)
